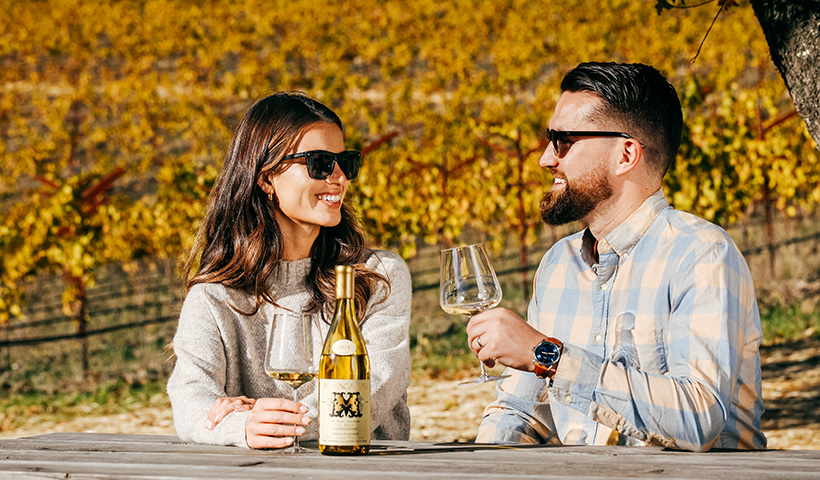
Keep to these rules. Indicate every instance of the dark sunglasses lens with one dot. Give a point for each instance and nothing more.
(320, 165)
(563, 146)
(559, 142)
(350, 162)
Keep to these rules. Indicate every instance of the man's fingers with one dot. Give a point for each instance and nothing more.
(485, 354)
(478, 342)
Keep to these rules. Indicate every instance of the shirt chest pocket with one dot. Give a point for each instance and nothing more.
(640, 345)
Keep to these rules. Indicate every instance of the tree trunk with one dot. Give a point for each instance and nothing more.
(445, 242)
(82, 326)
(7, 366)
(768, 210)
(80, 305)
(792, 30)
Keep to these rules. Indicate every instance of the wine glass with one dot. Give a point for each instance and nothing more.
(289, 357)
(469, 286)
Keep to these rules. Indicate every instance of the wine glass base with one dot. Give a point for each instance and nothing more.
(484, 378)
(295, 450)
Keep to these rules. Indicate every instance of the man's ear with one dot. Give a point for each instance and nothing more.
(631, 155)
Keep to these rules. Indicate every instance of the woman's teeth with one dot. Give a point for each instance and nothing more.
(330, 198)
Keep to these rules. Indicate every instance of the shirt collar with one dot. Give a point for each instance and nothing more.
(626, 235)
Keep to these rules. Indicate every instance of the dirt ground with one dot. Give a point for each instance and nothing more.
(791, 394)
(443, 411)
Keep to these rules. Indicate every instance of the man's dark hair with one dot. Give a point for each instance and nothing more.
(636, 99)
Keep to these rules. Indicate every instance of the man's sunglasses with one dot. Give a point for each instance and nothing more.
(561, 142)
(321, 163)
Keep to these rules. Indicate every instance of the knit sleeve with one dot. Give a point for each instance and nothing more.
(199, 376)
(386, 332)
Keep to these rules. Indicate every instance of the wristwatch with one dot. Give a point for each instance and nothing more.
(546, 356)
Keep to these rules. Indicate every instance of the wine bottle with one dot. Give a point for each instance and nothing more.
(344, 378)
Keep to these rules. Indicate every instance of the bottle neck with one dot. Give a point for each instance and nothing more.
(344, 281)
(345, 304)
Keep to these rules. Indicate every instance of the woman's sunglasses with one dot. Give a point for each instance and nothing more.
(321, 163)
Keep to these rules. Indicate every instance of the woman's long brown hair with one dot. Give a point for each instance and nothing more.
(239, 243)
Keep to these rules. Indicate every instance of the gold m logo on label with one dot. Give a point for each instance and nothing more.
(346, 404)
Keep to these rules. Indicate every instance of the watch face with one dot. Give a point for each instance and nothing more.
(547, 353)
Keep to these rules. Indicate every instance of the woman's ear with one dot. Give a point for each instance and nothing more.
(631, 156)
(265, 182)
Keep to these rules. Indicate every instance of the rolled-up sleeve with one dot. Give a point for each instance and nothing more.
(521, 411)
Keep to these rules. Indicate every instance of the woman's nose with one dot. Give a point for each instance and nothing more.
(337, 176)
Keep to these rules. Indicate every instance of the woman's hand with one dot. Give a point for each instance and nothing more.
(226, 405)
(274, 422)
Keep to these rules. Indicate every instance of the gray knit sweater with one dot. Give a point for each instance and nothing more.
(220, 352)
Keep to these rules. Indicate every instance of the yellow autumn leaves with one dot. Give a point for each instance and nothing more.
(155, 87)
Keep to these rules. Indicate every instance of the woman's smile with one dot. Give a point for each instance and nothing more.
(331, 199)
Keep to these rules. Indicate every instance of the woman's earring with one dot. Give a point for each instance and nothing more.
(270, 197)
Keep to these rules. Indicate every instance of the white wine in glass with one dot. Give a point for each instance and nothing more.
(468, 286)
(294, 379)
(289, 357)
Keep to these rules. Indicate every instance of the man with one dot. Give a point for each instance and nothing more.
(643, 328)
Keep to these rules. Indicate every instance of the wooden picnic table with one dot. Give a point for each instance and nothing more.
(110, 456)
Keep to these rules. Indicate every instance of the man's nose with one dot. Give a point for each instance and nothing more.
(548, 158)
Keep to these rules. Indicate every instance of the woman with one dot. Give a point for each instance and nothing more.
(275, 228)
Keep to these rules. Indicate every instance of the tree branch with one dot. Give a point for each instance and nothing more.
(495, 147)
(374, 145)
(46, 182)
(103, 185)
(722, 6)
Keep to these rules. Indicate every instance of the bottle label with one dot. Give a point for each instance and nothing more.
(343, 347)
(344, 412)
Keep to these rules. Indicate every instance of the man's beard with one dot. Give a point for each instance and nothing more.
(577, 199)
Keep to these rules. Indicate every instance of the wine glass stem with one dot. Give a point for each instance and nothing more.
(295, 437)
(480, 363)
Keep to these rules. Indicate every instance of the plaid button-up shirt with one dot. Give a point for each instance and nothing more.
(661, 333)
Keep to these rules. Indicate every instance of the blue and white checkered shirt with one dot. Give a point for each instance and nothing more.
(661, 334)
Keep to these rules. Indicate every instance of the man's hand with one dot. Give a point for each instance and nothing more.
(499, 335)
(274, 422)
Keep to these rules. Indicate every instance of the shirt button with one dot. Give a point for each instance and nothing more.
(605, 287)
(598, 338)
(568, 399)
(586, 440)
